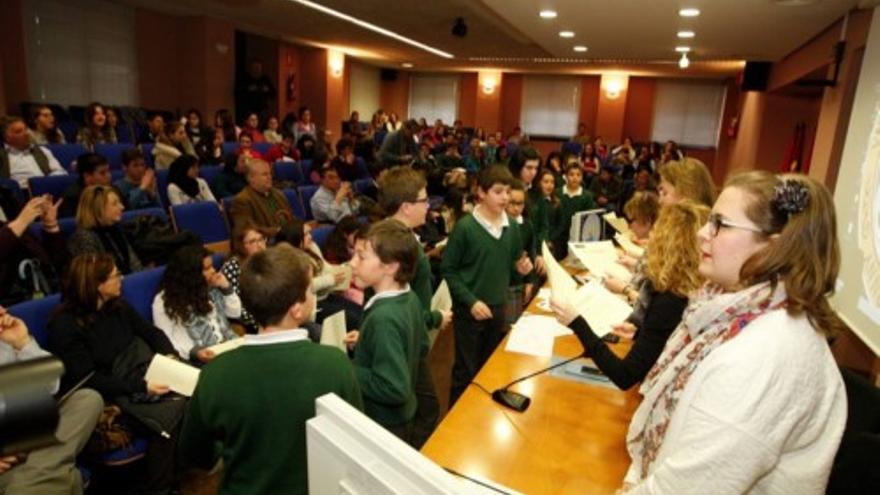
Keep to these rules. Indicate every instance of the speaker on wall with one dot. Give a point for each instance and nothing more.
(388, 75)
(756, 75)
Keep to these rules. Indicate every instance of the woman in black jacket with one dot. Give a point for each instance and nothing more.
(671, 273)
(98, 335)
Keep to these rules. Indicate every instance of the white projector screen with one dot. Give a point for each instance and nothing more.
(857, 199)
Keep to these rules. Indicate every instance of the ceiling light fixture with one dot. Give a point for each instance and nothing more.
(689, 12)
(372, 27)
(684, 63)
(685, 34)
(580, 48)
(547, 14)
(682, 49)
(566, 34)
(406, 65)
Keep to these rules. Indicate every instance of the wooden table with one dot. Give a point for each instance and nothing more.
(570, 440)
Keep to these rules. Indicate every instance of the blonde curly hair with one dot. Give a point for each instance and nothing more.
(673, 255)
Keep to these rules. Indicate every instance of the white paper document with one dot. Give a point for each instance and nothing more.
(333, 331)
(619, 224)
(442, 299)
(562, 285)
(600, 307)
(629, 247)
(599, 260)
(227, 346)
(543, 324)
(179, 376)
(527, 341)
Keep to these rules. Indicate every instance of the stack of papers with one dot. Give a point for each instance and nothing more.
(177, 375)
(599, 260)
(629, 246)
(619, 224)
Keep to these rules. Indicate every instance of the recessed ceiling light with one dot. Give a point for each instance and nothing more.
(406, 65)
(689, 12)
(682, 49)
(372, 27)
(566, 34)
(580, 48)
(686, 34)
(547, 14)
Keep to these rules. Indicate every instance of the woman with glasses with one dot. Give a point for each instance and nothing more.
(670, 277)
(98, 228)
(746, 396)
(247, 239)
(103, 340)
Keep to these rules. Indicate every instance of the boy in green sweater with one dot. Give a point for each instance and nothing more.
(253, 402)
(572, 199)
(483, 251)
(520, 290)
(392, 336)
(403, 195)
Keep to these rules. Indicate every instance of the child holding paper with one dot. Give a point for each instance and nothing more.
(254, 401)
(392, 335)
(483, 251)
(671, 275)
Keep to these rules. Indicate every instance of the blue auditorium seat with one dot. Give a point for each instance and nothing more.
(35, 315)
(321, 233)
(288, 171)
(50, 184)
(295, 203)
(139, 288)
(306, 193)
(205, 220)
(113, 153)
(66, 154)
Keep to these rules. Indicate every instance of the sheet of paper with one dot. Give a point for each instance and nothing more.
(226, 346)
(600, 307)
(333, 331)
(561, 284)
(527, 341)
(346, 282)
(442, 244)
(442, 298)
(629, 246)
(544, 324)
(619, 224)
(179, 376)
(543, 299)
(599, 260)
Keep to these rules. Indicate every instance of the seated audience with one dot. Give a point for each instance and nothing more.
(138, 186)
(45, 257)
(223, 121)
(233, 178)
(272, 133)
(399, 147)
(155, 128)
(304, 126)
(228, 417)
(347, 165)
(247, 240)
(748, 372)
(246, 145)
(259, 202)
(101, 339)
(196, 131)
(334, 199)
(284, 150)
(93, 170)
(193, 304)
(252, 127)
(210, 149)
(96, 129)
(184, 184)
(98, 229)
(305, 146)
(171, 144)
(606, 188)
(51, 469)
(339, 247)
(393, 337)
(42, 126)
(20, 159)
(671, 275)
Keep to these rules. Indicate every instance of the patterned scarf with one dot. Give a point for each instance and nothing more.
(711, 319)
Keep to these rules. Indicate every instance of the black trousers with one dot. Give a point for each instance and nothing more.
(475, 341)
(428, 409)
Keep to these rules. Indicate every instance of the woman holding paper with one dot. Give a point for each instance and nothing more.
(746, 397)
(670, 276)
(97, 332)
(194, 304)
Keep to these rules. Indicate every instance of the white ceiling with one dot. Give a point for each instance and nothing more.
(633, 35)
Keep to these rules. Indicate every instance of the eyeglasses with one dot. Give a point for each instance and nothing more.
(516, 203)
(421, 200)
(716, 222)
(256, 240)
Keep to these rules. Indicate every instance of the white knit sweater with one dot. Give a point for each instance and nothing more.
(762, 414)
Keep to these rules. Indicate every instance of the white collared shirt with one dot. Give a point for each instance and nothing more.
(385, 295)
(494, 230)
(277, 337)
(23, 165)
(519, 220)
(578, 192)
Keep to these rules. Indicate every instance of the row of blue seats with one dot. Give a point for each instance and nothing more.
(68, 153)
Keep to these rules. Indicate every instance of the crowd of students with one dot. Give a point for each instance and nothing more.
(729, 323)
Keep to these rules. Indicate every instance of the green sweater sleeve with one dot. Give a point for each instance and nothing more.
(196, 444)
(452, 259)
(387, 381)
(421, 285)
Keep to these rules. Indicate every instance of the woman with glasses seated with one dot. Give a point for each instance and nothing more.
(247, 239)
(98, 228)
(746, 397)
(671, 275)
(101, 339)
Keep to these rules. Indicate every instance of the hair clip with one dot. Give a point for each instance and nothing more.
(790, 197)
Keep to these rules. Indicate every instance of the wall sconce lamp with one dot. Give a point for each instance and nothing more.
(613, 88)
(336, 61)
(489, 84)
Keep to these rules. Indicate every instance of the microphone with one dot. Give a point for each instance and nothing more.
(517, 401)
